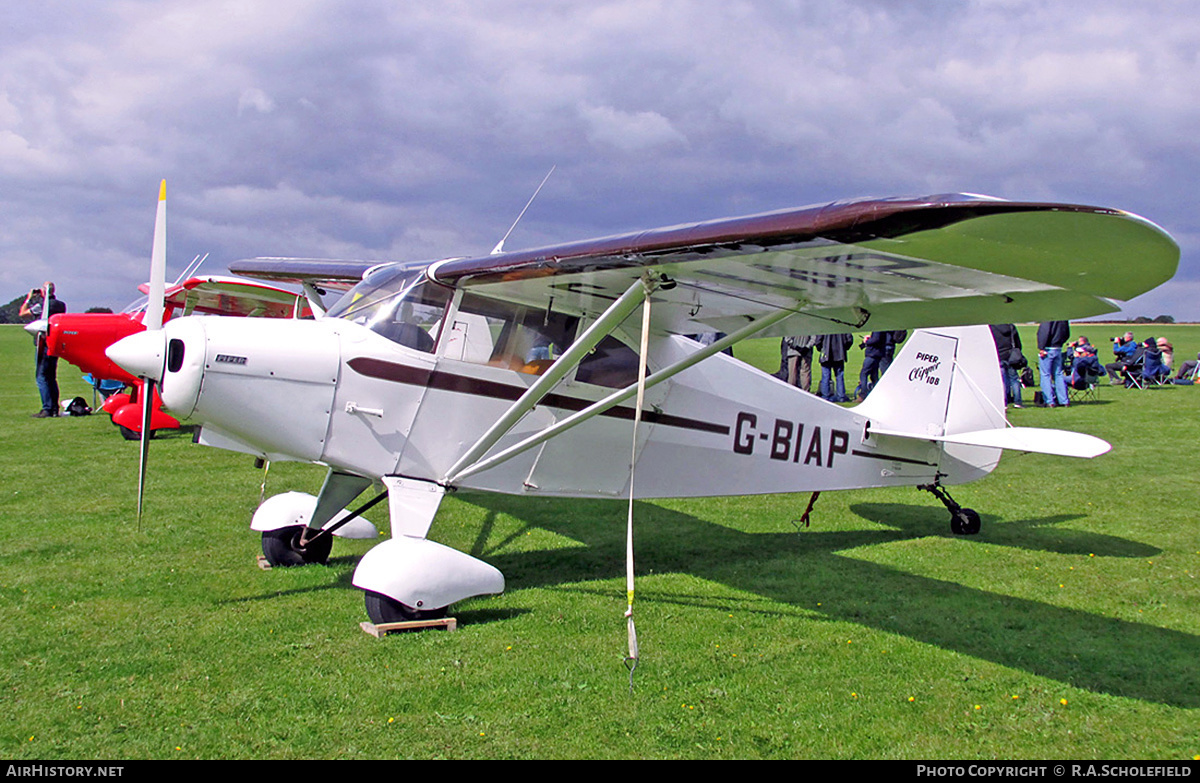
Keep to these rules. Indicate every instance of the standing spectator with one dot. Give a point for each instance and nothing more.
(874, 347)
(797, 360)
(46, 367)
(1051, 337)
(1008, 354)
(833, 349)
(895, 338)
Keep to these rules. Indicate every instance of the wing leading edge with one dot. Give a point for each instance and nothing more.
(874, 264)
(337, 274)
(878, 264)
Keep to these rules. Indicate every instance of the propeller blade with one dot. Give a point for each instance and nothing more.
(158, 265)
(153, 321)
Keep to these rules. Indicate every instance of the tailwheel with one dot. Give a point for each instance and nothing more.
(282, 547)
(965, 522)
(385, 609)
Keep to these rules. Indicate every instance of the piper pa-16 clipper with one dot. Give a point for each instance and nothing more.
(517, 372)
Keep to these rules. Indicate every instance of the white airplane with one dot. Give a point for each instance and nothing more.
(513, 372)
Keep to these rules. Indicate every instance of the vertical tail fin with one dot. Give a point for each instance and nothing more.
(945, 386)
(942, 382)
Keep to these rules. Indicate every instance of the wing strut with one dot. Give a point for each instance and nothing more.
(618, 397)
(313, 294)
(609, 320)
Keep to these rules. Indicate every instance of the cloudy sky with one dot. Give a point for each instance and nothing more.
(386, 129)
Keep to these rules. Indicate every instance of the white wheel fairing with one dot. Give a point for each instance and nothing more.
(424, 574)
(296, 508)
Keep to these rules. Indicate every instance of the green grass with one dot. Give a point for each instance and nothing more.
(1069, 628)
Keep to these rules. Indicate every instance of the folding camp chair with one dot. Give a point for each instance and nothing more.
(1153, 372)
(1086, 388)
(103, 386)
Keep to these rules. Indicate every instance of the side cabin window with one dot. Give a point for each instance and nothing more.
(502, 334)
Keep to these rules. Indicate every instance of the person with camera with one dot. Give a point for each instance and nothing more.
(1125, 349)
(46, 371)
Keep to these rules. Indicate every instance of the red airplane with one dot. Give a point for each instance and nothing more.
(81, 338)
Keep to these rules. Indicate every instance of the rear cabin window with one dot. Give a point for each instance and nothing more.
(501, 334)
(611, 363)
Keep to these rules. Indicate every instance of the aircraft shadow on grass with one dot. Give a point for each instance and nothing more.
(1082, 649)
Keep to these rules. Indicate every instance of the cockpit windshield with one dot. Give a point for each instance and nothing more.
(397, 302)
(136, 306)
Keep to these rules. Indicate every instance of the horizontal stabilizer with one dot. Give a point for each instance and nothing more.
(1036, 439)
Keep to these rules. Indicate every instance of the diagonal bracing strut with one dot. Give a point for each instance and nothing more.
(458, 473)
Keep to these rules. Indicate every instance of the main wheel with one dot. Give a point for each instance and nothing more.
(282, 547)
(385, 609)
(965, 522)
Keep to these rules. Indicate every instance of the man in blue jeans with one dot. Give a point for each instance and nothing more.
(874, 347)
(46, 368)
(1051, 337)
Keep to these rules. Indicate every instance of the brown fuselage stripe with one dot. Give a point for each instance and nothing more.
(889, 458)
(462, 384)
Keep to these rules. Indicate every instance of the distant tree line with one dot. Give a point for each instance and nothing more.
(8, 313)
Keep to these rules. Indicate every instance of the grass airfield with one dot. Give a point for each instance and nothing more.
(1068, 628)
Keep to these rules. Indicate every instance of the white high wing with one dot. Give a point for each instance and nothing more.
(516, 372)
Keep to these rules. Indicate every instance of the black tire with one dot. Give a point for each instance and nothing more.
(965, 523)
(282, 547)
(129, 434)
(385, 609)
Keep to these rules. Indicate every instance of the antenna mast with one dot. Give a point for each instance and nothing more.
(499, 248)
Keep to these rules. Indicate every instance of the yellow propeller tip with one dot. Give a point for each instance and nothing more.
(162, 191)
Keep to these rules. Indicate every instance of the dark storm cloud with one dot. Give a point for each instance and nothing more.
(413, 130)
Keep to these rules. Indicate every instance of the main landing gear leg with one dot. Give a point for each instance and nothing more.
(963, 521)
(292, 523)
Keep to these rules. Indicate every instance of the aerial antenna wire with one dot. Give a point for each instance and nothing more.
(499, 248)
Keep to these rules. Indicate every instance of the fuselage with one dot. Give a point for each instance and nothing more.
(405, 383)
